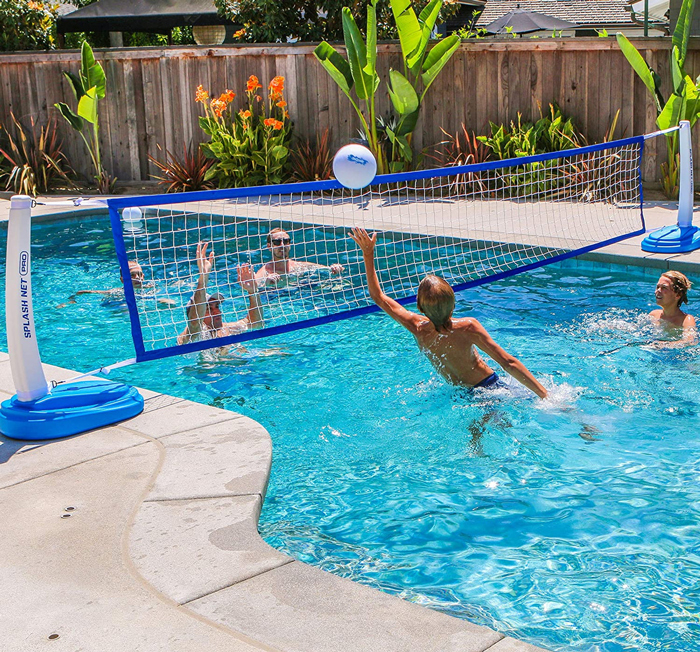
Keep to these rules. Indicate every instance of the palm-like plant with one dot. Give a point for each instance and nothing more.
(35, 157)
(186, 173)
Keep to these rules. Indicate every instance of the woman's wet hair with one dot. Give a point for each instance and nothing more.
(436, 300)
(681, 285)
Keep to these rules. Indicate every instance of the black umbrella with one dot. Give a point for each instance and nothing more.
(523, 21)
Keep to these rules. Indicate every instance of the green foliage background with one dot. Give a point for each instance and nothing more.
(272, 21)
(26, 25)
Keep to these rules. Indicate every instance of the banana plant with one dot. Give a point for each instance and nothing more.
(407, 90)
(684, 101)
(89, 86)
(359, 70)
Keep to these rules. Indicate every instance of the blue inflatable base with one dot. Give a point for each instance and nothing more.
(69, 409)
(672, 240)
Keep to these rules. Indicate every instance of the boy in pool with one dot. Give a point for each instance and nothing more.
(281, 265)
(671, 293)
(447, 342)
(204, 316)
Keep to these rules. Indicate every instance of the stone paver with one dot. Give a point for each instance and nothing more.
(190, 548)
(229, 458)
(303, 609)
(70, 577)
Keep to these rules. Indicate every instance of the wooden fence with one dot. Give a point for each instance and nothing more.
(150, 92)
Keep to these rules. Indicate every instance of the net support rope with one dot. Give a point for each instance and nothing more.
(469, 224)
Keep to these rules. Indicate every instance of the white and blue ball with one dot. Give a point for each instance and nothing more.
(354, 166)
(132, 218)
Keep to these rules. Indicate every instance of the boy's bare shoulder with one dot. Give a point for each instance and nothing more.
(466, 324)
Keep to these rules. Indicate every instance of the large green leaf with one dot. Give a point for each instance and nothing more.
(671, 113)
(357, 56)
(403, 95)
(75, 121)
(91, 71)
(639, 65)
(438, 57)
(427, 20)
(371, 67)
(76, 84)
(87, 107)
(677, 72)
(337, 67)
(692, 94)
(682, 30)
(408, 27)
(408, 123)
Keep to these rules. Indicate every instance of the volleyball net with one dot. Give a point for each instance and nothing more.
(469, 224)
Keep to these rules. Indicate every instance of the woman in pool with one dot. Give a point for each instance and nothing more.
(671, 293)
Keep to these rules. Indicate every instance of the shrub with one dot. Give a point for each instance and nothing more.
(463, 148)
(27, 25)
(249, 147)
(551, 133)
(35, 157)
(312, 161)
(184, 174)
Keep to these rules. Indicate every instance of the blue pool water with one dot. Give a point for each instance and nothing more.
(570, 523)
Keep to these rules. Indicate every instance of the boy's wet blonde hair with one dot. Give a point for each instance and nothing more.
(681, 285)
(436, 300)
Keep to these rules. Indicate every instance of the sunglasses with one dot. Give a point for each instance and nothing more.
(279, 241)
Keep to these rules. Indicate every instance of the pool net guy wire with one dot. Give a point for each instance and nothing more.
(469, 224)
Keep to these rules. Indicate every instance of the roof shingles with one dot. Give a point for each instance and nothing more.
(585, 13)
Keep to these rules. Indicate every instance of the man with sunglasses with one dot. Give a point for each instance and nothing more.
(281, 265)
(204, 317)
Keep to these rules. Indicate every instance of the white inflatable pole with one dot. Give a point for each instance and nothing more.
(27, 372)
(685, 191)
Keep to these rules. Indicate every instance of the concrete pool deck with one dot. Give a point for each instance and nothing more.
(143, 536)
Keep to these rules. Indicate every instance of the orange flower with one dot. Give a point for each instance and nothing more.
(218, 107)
(286, 114)
(258, 98)
(281, 104)
(253, 84)
(239, 33)
(244, 114)
(277, 84)
(227, 96)
(275, 124)
(201, 95)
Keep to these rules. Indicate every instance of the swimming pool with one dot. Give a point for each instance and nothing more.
(572, 524)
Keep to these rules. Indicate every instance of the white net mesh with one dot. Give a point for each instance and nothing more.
(466, 227)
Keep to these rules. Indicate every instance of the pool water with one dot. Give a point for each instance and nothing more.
(571, 523)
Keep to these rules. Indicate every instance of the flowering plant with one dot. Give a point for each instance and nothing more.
(251, 145)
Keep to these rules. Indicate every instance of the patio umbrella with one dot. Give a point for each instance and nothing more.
(524, 21)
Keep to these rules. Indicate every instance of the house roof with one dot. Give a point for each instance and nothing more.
(139, 16)
(585, 13)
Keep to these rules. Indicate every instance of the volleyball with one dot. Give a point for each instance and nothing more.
(354, 166)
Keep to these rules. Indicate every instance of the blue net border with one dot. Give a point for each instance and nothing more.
(118, 203)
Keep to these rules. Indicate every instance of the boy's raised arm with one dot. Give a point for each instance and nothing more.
(394, 309)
